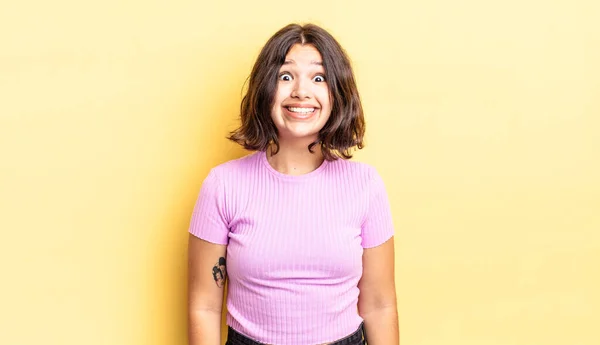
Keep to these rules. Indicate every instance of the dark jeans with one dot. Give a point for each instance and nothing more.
(356, 338)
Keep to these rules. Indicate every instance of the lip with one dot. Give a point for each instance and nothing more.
(299, 116)
(300, 105)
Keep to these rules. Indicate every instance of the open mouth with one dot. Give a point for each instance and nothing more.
(298, 110)
(300, 113)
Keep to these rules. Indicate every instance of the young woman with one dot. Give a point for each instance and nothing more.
(304, 235)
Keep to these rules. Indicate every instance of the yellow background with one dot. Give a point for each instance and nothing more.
(483, 119)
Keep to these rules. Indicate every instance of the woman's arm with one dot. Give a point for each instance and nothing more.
(207, 273)
(377, 299)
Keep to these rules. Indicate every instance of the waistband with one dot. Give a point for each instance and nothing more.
(356, 338)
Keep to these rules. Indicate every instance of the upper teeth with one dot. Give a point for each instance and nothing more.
(301, 110)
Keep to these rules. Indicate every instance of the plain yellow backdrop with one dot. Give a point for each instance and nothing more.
(483, 119)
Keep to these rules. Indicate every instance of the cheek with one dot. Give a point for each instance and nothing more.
(275, 114)
(327, 103)
(278, 98)
(325, 98)
(326, 117)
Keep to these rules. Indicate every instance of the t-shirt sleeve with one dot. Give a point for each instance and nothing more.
(208, 218)
(378, 225)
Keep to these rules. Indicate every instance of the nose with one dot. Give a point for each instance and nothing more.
(301, 89)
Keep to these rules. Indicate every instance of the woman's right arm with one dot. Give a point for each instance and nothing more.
(205, 291)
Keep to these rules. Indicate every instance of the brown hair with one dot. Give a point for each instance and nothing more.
(345, 127)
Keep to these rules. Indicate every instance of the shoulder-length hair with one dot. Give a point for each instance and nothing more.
(345, 127)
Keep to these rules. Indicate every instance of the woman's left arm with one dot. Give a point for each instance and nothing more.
(377, 299)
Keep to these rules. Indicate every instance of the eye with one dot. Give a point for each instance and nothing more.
(285, 76)
(319, 79)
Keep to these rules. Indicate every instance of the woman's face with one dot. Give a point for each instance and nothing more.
(302, 103)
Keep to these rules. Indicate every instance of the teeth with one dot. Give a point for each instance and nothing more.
(301, 110)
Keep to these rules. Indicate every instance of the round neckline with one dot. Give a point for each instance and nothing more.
(263, 158)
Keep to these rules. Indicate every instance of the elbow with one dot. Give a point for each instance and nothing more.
(381, 309)
(377, 304)
(204, 308)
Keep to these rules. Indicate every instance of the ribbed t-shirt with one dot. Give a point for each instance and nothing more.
(294, 244)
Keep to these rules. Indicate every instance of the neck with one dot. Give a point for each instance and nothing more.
(294, 158)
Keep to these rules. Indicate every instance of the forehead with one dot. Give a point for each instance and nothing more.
(303, 55)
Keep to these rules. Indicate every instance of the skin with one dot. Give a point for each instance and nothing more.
(301, 84)
(219, 274)
(205, 296)
(377, 300)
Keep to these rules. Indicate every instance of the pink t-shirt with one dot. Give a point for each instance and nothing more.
(294, 244)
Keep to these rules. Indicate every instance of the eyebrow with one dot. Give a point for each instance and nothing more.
(289, 62)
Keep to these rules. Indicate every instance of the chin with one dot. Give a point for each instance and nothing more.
(307, 137)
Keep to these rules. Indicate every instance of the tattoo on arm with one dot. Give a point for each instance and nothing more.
(219, 272)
